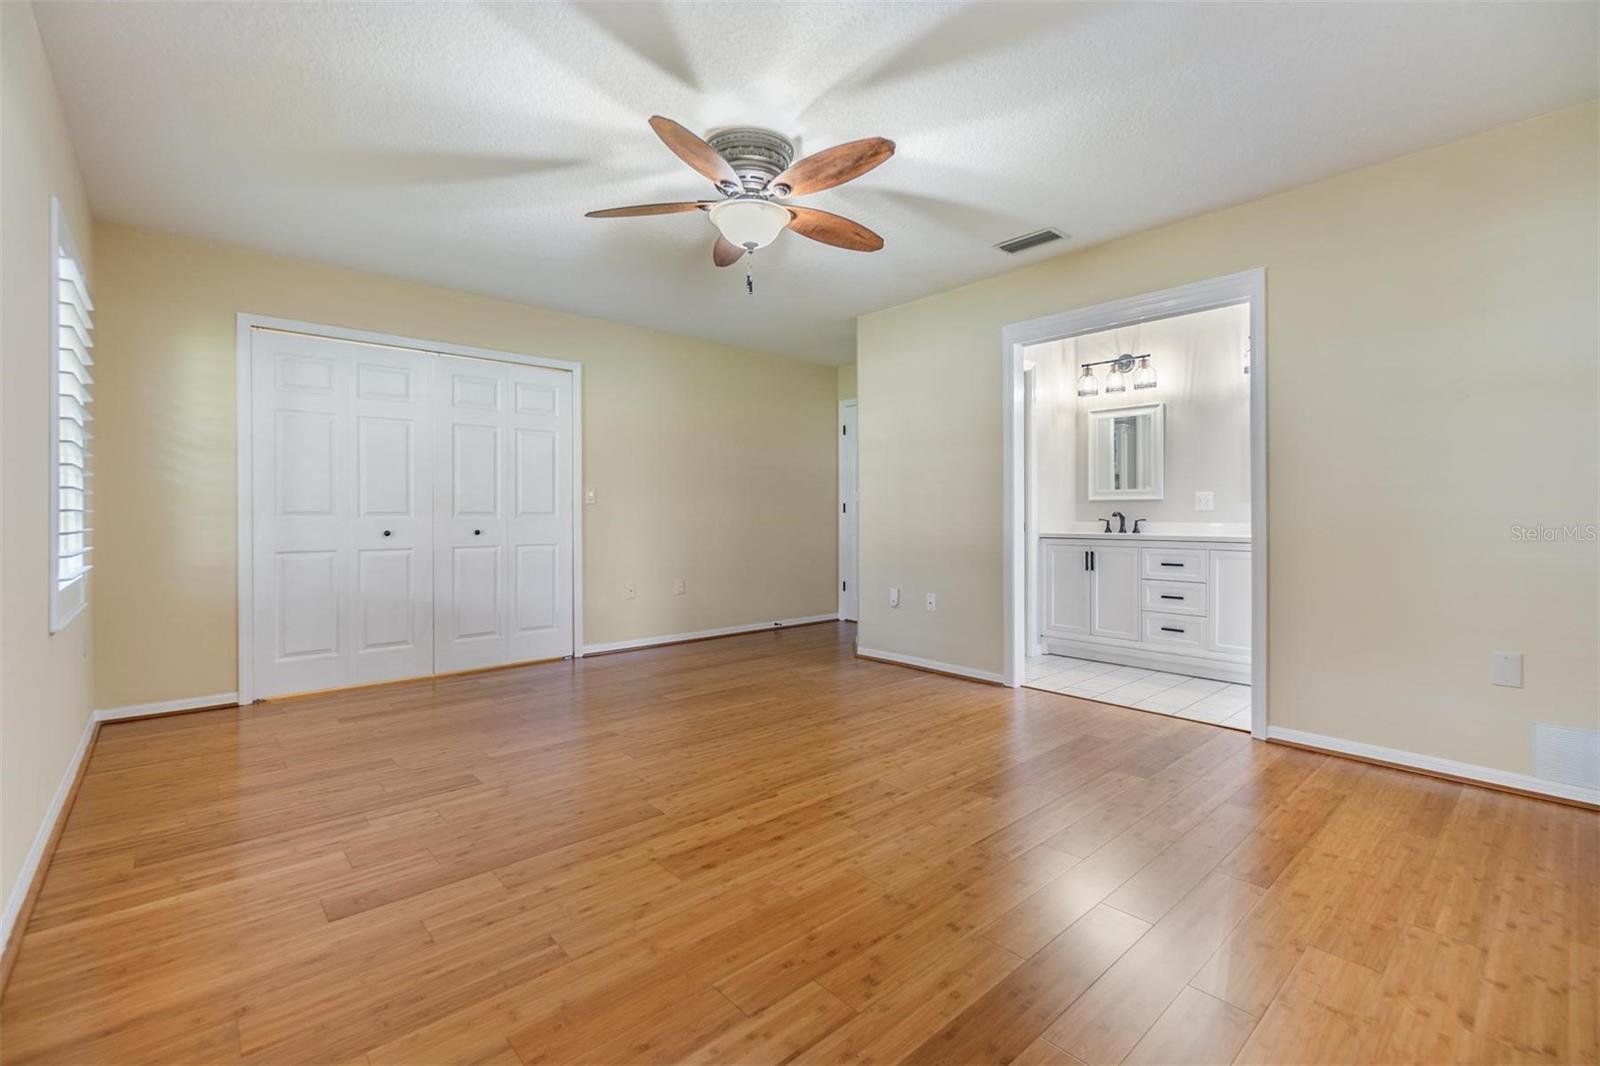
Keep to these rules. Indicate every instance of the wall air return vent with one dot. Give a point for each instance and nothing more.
(1029, 240)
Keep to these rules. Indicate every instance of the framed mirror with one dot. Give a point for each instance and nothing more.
(1127, 452)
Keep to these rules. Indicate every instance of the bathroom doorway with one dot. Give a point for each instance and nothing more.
(1135, 503)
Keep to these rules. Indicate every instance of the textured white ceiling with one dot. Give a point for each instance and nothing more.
(460, 143)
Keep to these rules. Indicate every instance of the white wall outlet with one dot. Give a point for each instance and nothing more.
(630, 590)
(894, 597)
(588, 496)
(1505, 668)
(931, 604)
(1205, 501)
(678, 587)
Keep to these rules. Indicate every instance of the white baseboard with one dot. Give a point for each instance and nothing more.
(727, 631)
(1432, 764)
(41, 839)
(931, 664)
(144, 710)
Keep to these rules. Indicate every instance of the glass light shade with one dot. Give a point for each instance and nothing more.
(1145, 376)
(1087, 384)
(1116, 381)
(750, 224)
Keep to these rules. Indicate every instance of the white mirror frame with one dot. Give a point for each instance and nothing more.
(1158, 443)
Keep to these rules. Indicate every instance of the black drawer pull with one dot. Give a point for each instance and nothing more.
(1173, 629)
(1169, 596)
(1171, 564)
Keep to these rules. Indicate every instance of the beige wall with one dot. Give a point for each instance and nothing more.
(44, 679)
(710, 463)
(1432, 353)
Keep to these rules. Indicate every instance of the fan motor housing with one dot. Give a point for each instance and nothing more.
(757, 155)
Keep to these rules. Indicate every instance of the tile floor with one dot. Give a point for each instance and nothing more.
(1198, 698)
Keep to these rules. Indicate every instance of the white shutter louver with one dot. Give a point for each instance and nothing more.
(74, 344)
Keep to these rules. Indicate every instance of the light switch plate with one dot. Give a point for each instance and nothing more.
(894, 597)
(629, 591)
(1205, 501)
(1505, 668)
(932, 602)
(588, 496)
(678, 587)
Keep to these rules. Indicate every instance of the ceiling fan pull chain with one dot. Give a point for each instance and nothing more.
(749, 281)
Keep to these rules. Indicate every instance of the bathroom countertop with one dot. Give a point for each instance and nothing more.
(1214, 538)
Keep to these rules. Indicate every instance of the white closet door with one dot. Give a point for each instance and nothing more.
(539, 545)
(470, 524)
(391, 627)
(341, 452)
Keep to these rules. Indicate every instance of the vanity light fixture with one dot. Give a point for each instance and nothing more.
(1116, 376)
(1145, 376)
(1088, 384)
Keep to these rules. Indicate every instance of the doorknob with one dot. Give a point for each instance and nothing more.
(388, 532)
(477, 532)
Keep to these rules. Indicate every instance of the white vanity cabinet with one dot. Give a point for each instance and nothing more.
(1181, 605)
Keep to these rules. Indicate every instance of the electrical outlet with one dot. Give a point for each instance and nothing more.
(931, 603)
(678, 587)
(1205, 501)
(1505, 668)
(894, 597)
(588, 496)
(630, 590)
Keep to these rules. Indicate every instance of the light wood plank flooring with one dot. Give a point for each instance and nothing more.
(761, 849)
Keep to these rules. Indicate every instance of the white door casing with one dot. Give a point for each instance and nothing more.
(342, 456)
(849, 521)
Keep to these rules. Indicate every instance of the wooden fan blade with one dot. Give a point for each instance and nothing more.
(650, 209)
(833, 229)
(833, 166)
(694, 151)
(725, 253)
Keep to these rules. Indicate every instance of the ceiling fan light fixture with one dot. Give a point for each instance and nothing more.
(749, 223)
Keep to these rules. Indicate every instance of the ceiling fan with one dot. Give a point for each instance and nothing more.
(755, 171)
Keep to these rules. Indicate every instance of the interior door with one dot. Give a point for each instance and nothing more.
(539, 543)
(470, 514)
(1066, 588)
(1114, 571)
(340, 451)
(849, 593)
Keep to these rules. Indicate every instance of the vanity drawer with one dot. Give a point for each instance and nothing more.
(1174, 564)
(1177, 630)
(1174, 597)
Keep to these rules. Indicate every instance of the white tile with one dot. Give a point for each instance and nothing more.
(1223, 703)
(1114, 679)
(1240, 720)
(1144, 688)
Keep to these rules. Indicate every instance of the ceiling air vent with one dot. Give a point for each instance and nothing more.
(1028, 240)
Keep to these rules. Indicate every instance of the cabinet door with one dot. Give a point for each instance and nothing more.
(1114, 572)
(1064, 597)
(1228, 624)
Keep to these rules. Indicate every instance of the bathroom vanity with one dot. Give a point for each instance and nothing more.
(1174, 603)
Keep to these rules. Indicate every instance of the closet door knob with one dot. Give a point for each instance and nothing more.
(388, 532)
(477, 532)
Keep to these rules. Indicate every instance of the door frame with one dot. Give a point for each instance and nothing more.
(244, 416)
(1248, 286)
(855, 519)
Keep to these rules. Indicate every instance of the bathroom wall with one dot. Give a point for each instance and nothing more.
(1199, 364)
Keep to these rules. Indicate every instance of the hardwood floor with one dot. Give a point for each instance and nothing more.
(760, 849)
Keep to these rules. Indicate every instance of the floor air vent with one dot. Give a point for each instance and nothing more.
(1028, 240)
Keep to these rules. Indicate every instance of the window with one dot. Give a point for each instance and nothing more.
(69, 427)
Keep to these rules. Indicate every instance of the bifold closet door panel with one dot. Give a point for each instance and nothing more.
(340, 513)
(539, 544)
(471, 573)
